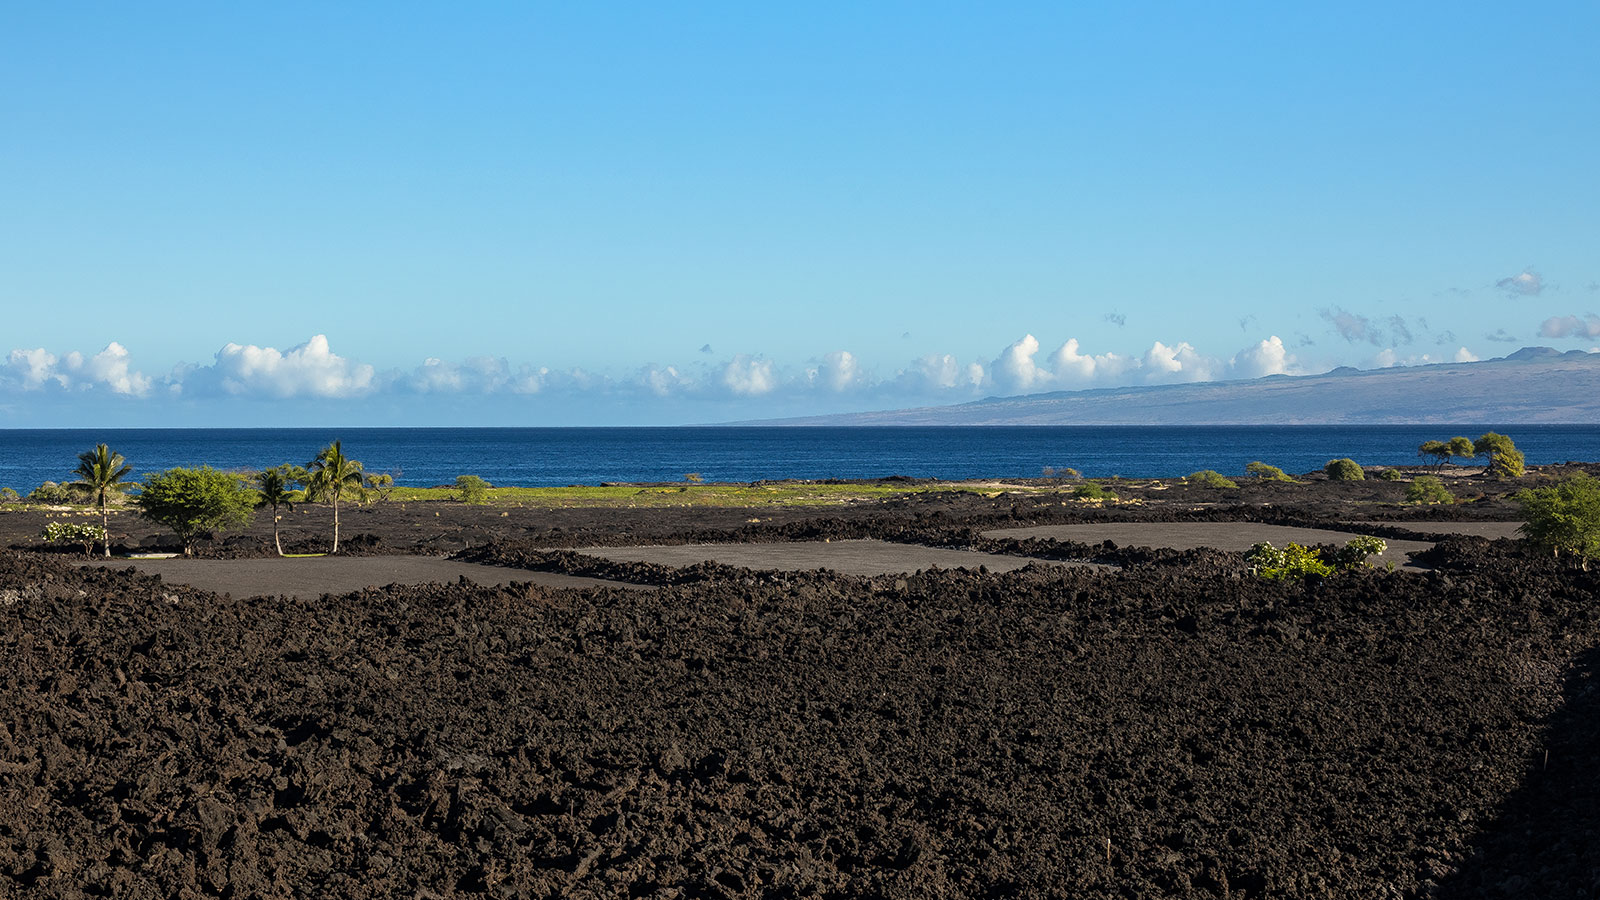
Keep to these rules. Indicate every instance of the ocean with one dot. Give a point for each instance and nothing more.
(563, 456)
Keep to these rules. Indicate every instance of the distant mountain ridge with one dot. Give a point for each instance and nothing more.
(1532, 385)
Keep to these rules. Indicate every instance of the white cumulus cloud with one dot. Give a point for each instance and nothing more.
(1270, 357)
(750, 376)
(110, 369)
(839, 371)
(1570, 326)
(311, 369)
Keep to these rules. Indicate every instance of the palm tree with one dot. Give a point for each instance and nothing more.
(99, 471)
(273, 485)
(331, 473)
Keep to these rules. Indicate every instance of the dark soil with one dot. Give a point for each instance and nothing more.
(1172, 729)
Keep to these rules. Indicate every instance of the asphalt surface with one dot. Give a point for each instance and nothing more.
(1216, 535)
(315, 576)
(848, 557)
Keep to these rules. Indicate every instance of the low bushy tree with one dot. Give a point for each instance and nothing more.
(1505, 460)
(51, 493)
(1427, 489)
(9, 495)
(1344, 469)
(380, 485)
(472, 489)
(1211, 478)
(1438, 451)
(1265, 472)
(1390, 474)
(193, 502)
(1563, 517)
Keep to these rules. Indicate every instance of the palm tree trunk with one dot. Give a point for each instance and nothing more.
(336, 523)
(105, 525)
(275, 541)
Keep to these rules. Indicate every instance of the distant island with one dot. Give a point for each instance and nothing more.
(1533, 385)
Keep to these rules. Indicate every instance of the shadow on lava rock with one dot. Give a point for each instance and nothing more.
(1546, 841)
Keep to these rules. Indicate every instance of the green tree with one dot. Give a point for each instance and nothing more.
(1439, 451)
(100, 473)
(472, 489)
(1345, 469)
(194, 501)
(380, 484)
(272, 488)
(1563, 516)
(1505, 460)
(331, 474)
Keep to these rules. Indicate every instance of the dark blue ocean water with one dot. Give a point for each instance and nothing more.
(560, 456)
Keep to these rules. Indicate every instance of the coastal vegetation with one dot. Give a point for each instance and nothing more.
(330, 475)
(100, 473)
(193, 502)
(273, 490)
(1265, 472)
(1564, 517)
(1504, 459)
(1345, 469)
(1297, 561)
(84, 533)
(1427, 489)
(1211, 478)
(472, 489)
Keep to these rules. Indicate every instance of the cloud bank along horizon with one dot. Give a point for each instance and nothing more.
(734, 385)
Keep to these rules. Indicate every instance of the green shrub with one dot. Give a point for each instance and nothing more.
(85, 533)
(9, 495)
(1428, 489)
(1211, 478)
(1093, 490)
(1563, 516)
(1343, 470)
(472, 489)
(51, 493)
(1389, 475)
(1265, 472)
(194, 501)
(1293, 561)
(1353, 555)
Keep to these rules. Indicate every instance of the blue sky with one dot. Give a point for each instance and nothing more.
(652, 214)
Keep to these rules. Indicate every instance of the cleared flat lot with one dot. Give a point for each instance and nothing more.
(315, 576)
(1193, 535)
(1490, 530)
(853, 557)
